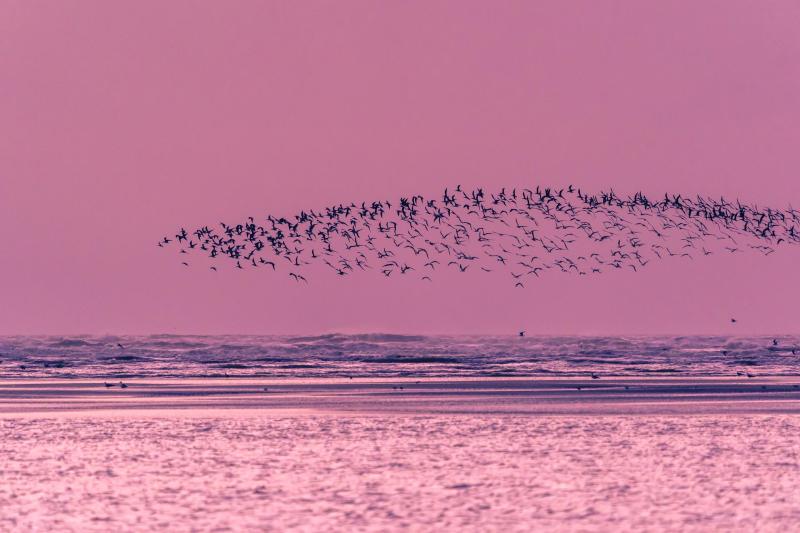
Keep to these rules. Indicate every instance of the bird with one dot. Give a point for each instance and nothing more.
(522, 333)
(546, 230)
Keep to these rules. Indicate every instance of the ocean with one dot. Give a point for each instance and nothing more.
(388, 355)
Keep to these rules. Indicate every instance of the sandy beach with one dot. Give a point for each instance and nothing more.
(683, 454)
(366, 396)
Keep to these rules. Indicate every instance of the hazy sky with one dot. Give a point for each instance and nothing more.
(121, 121)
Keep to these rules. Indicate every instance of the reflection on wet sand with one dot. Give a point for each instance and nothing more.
(421, 396)
(328, 455)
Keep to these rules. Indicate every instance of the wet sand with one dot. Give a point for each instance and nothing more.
(605, 396)
(670, 454)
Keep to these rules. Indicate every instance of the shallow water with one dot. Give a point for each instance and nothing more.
(667, 437)
(419, 473)
(382, 355)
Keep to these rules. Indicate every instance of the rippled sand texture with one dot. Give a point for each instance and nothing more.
(371, 473)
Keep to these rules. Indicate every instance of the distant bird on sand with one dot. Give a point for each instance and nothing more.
(733, 320)
(522, 333)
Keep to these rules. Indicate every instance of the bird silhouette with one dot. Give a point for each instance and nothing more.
(543, 230)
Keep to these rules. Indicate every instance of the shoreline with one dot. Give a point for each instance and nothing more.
(424, 396)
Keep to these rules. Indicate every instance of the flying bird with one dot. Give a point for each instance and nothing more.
(543, 230)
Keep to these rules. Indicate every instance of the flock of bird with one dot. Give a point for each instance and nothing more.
(519, 233)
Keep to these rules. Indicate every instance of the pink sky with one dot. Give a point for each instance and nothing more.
(120, 121)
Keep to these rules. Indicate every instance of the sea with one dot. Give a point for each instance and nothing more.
(390, 355)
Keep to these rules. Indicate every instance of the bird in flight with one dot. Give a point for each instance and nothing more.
(530, 233)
